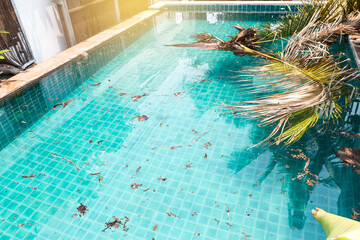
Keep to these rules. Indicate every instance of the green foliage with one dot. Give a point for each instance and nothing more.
(294, 22)
(309, 83)
(351, 5)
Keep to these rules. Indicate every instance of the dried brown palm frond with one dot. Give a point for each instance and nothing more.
(307, 83)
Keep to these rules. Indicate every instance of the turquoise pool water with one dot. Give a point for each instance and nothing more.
(160, 158)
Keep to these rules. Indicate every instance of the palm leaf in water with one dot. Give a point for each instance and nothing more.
(295, 21)
(305, 85)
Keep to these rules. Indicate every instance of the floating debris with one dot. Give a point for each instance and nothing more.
(197, 234)
(177, 93)
(188, 165)
(217, 221)
(55, 155)
(137, 97)
(138, 169)
(135, 186)
(172, 214)
(33, 175)
(171, 147)
(355, 214)
(227, 210)
(64, 104)
(96, 84)
(155, 227)
(142, 118)
(197, 139)
(117, 223)
(29, 176)
(205, 156)
(161, 179)
(82, 209)
(207, 145)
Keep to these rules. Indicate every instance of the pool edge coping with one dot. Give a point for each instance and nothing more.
(21, 82)
(162, 5)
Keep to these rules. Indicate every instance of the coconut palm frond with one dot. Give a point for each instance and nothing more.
(292, 23)
(305, 85)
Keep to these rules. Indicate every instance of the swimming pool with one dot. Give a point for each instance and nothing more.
(143, 149)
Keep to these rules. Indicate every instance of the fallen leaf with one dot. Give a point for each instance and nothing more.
(155, 227)
(142, 118)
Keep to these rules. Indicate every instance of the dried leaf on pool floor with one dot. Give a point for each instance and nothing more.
(197, 139)
(142, 118)
(161, 179)
(172, 214)
(82, 209)
(96, 84)
(188, 165)
(155, 227)
(64, 104)
(137, 97)
(55, 155)
(117, 223)
(207, 145)
(205, 156)
(33, 175)
(135, 186)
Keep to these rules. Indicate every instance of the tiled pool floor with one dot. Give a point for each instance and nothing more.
(155, 148)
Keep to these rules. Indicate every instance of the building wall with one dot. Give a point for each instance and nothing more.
(42, 27)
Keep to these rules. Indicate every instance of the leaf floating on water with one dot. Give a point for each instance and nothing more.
(96, 84)
(142, 118)
(205, 156)
(82, 209)
(177, 93)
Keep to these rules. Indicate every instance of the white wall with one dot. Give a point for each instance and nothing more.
(42, 26)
